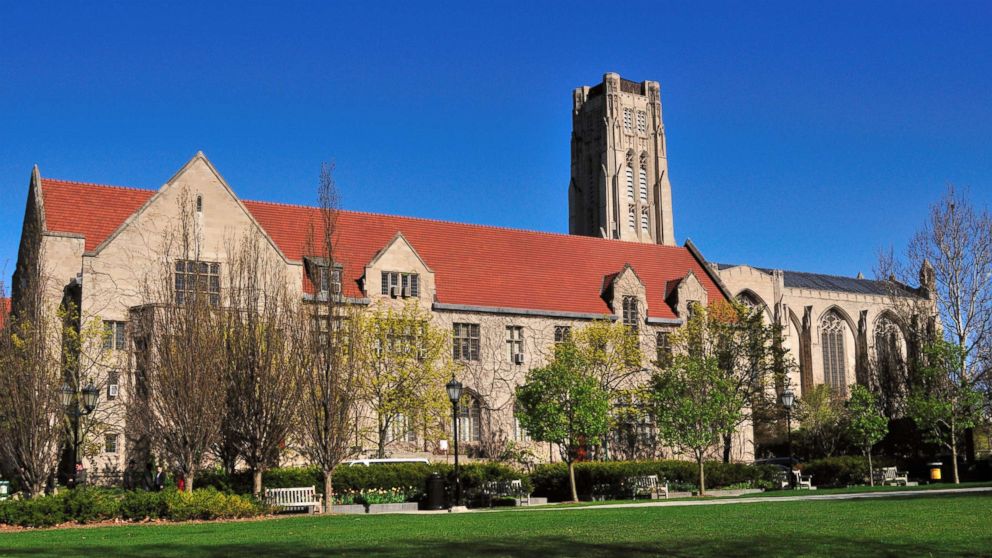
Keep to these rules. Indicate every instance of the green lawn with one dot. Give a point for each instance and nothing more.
(957, 525)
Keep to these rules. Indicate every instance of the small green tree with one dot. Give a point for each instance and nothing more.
(695, 403)
(866, 425)
(944, 402)
(821, 415)
(562, 403)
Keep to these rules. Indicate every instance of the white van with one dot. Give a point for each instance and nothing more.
(368, 462)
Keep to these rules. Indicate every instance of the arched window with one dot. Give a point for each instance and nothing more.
(832, 333)
(470, 419)
(644, 185)
(888, 343)
(630, 184)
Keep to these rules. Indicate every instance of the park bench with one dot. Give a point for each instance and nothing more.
(891, 476)
(493, 490)
(646, 485)
(294, 499)
(803, 481)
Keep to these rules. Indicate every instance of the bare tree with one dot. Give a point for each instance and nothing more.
(262, 385)
(952, 255)
(321, 350)
(177, 379)
(32, 418)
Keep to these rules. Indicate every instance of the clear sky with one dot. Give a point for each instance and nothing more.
(802, 136)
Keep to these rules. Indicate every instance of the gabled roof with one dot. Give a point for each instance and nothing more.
(474, 265)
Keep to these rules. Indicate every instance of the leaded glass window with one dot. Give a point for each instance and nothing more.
(832, 333)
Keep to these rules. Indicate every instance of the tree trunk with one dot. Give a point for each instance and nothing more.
(702, 475)
(728, 440)
(256, 482)
(328, 490)
(954, 455)
(871, 472)
(189, 481)
(571, 480)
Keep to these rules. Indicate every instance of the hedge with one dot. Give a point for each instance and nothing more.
(409, 477)
(844, 470)
(551, 480)
(91, 504)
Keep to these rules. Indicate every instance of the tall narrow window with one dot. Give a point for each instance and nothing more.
(631, 316)
(832, 330)
(465, 341)
(664, 348)
(643, 181)
(199, 204)
(630, 184)
(642, 121)
(110, 443)
(628, 120)
(470, 419)
(406, 284)
(632, 217)
(645, 224)
(514, 342)
(888, 345)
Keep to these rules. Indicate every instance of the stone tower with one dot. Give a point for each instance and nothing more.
(619, 186)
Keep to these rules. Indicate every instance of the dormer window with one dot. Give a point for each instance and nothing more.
(397, 284)
(631, 315)
(330, 280)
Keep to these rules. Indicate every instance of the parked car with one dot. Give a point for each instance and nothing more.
(369, 462)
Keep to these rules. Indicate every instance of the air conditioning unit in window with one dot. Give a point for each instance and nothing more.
(394, 292)
(112, 390)
(407, 293)
(518, 358)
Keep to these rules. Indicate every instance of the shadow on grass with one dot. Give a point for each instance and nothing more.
(746, 545)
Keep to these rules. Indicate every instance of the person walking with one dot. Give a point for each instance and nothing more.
(160, 479)
(129, 474)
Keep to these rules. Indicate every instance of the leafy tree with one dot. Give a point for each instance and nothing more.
(695, 402)
(562, 403)
(612, 354)
(944, 401)
(820, 411)
(866, 424)
(747, 350)
(404, 366)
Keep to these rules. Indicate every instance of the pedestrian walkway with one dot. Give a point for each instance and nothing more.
(770, 499)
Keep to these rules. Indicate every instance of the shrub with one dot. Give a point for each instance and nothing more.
(140, 505)
(606, 478)
(209, 503)
(41, 511)
(88, 504)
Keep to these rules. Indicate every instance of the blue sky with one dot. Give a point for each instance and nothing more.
(801, 136)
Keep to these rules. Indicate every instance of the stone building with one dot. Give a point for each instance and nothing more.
(506, 295)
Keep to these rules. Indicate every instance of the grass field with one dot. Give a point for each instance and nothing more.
(935, 525)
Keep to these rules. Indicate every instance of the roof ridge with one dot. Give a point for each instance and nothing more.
(463, 224)
(81, 183)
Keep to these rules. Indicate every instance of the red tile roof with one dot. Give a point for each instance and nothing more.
(92, 210)
(474, 265)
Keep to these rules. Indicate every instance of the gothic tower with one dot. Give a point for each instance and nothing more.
(619, 186)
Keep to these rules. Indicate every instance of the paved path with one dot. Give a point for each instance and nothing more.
(757, 500)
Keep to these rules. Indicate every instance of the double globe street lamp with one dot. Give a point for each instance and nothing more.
(454, 389)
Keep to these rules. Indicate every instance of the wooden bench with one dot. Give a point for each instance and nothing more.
(891, 476)
(803, 481)
(646, 485)
(294, 499)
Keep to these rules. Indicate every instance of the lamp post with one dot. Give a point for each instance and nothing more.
(454, 388)
(788, 399)
(77, 405)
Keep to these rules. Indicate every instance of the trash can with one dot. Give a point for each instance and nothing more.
(935, 471)
(4, 490)
(435, 492)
